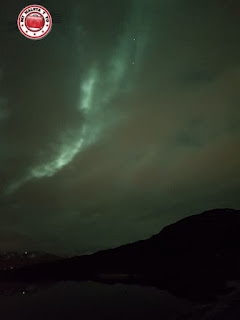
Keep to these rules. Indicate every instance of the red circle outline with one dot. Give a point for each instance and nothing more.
(50, 22)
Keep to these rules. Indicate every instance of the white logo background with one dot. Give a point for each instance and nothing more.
(32, 12)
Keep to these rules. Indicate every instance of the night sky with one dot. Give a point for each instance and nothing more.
(124, 119)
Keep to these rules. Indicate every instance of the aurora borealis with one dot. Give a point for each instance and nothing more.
(122, 120)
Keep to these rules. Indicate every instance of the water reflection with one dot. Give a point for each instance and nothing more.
(22, 288)
(89, 300)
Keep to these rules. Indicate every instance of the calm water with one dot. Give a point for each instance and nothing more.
(90, 300)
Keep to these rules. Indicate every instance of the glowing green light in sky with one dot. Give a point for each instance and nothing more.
(96, 92)
(87, 89)
(65, 156)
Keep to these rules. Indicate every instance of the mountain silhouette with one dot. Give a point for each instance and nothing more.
(198, 252)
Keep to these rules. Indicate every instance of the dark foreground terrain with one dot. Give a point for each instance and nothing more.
(195, 258)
